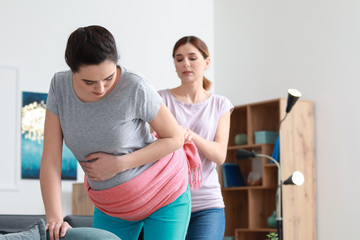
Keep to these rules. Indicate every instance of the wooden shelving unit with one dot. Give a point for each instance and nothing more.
(81, 203)
(248, 208)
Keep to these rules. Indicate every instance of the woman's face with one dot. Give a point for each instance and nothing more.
(190, 64)
(94, 82)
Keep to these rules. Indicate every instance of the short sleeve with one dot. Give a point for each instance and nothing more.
(150, 101)
(225, 106)
(51, 103)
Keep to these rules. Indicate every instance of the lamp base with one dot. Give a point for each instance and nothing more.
(280, 229)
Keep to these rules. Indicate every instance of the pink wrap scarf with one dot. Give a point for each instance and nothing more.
(158, 186)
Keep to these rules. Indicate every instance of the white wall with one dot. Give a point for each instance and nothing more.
(265, 47)
(262, 48)
(32, 40)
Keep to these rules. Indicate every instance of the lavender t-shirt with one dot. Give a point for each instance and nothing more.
(203, 119)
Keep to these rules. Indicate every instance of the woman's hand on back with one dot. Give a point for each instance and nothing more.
(188, 134)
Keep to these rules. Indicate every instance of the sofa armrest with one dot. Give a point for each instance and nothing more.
(11, 223)
(79, 220)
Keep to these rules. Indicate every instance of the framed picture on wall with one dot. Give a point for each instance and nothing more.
(32, 139)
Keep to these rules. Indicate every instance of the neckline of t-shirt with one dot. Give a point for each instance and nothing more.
(77, 99)
(190, 104)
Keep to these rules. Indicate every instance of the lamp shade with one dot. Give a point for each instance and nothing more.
(242, 154)
(297, 178)
(293, 96)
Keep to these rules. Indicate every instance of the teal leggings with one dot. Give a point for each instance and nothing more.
(169, 222)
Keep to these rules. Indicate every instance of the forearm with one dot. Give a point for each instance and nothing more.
(212, 150)
(215, 150)
(50, 181)
(151, 153)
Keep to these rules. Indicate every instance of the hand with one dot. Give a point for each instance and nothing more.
(100, 166)
(188, 134)
(57, 229)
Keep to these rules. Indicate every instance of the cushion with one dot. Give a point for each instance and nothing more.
(35, 231)
(87, 233)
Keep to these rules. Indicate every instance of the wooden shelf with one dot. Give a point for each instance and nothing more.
(256, 230)
(248, 208)
(248, 146)
(246, 188)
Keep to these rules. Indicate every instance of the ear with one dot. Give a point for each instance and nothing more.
(207, 63)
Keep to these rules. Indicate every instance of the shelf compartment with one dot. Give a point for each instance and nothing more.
(270, 175)
(256, 234)
(257, 113)
(262, 203)
(238, 123)
(236, 210)
(248, 165)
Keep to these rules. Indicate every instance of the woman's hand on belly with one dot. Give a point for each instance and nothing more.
(101, 166)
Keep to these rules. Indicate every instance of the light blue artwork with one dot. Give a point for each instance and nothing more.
(32, 136)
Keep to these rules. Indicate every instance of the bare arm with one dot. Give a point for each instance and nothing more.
(50, 175)
(170, 139)
(214, 150)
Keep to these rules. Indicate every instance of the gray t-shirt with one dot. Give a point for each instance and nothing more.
(116, 124)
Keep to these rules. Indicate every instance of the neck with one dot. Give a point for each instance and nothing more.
(190, 93)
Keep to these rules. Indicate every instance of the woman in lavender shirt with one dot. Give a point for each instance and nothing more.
(206, 118)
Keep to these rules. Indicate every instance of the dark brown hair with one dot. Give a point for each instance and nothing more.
(201, 46)
(90, 45)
